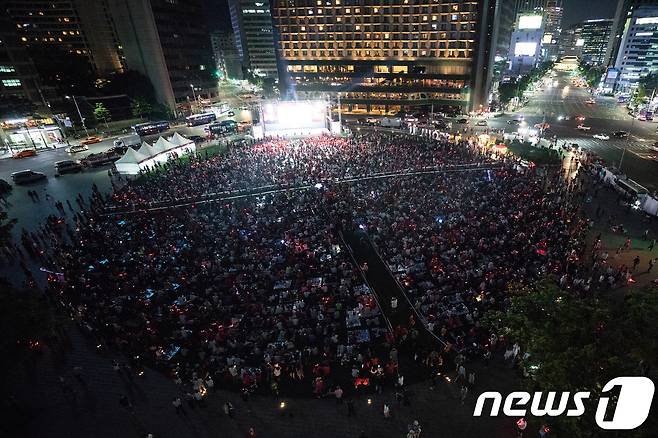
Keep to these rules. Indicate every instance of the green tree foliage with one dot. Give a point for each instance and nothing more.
(140, 107)
(576, 344)
(101, 113)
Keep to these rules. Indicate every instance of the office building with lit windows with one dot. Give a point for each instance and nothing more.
(254, 37)
(595, 35)
(82, 27)
(386, 56)
(638, 51)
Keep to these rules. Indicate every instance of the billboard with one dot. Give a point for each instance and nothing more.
(525, 49)
(294, 117)
(530, 21)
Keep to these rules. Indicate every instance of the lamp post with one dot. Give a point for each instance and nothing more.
(82, 119)
(193, 95)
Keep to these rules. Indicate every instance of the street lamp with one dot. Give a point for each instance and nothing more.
(193, 94)
(82, 119)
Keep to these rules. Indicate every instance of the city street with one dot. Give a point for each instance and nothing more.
(604, 117)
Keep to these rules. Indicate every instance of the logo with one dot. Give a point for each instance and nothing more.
(634, 398)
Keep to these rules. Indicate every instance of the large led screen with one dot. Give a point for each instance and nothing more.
(294, 115)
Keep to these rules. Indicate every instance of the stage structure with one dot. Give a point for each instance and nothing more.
(295, 119)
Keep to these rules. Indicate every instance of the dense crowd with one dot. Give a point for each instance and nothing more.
(284, 162)
(262, 294)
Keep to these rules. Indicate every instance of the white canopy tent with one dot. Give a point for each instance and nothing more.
(148, 156)
(129, 164)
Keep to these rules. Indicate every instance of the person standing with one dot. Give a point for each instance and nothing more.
(652, 244)
(338, 392)
(463, 394)
(350, 407)
(228, 409)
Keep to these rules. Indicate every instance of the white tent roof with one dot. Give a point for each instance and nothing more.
(178, 139)
(146, 150)
(163, 145)
(131, 157)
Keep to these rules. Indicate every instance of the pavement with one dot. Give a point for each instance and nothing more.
(43, 408)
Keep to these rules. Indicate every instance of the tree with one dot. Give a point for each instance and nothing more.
(140, 108)
(575, 344)
(101, 113)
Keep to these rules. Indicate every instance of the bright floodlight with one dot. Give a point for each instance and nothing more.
(530, 21)
(525, 49)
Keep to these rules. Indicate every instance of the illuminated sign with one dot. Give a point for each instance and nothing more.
(547, 38)
(647, 20)
(530, 21)
(580, 42)
(525, 49)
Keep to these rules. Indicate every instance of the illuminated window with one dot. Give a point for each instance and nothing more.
(11, 82)
(7, 69)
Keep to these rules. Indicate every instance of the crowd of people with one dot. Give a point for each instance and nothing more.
(261, 293)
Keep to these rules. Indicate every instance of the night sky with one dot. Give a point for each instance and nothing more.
(579, 10)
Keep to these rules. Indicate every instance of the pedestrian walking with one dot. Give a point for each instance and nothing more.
(338, 393)
(463, 393)
(350, 407)
(178, 405)
(652, 244)
(387, 411)
(228, 409)
(652, 262)
(636, 261)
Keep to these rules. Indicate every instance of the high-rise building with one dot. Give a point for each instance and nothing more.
(386, 56)
(82, 27)
(595, 35)
(638, 50)
(553, 12)
(226, 54)
(571, 41)
(254, 37)
(527, 6)
(621, 19)
(525, 50)
(505, 17)
(19, 80)
(167, 41)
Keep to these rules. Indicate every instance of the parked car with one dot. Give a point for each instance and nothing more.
(196, 138)
(481, 123)
(27, 176)
(68, 166)
(462, 121)
(77, 148)
(620, 134)
(590, 101)
(583, 128)
(91, 140)
(25, 153)
(601, 136)
(514, 122)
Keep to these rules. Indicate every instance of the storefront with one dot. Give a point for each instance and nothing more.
(30, 133)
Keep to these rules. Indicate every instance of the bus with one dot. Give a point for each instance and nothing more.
(200, 119)
(223, 127)
(150, 128)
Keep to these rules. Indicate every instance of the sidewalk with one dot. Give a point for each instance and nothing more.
(44, 409)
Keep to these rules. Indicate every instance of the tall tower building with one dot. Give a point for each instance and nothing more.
(254, 37)
(637, 55)
(82, 27)
(167, 40)
(595, 35)
(384, 56)
(553, 12)
(621, 20)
